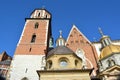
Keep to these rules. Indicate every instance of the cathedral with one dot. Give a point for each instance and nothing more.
(75, 58)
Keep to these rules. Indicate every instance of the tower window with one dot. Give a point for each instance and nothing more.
(33, 39)
(36, 25)
(38, 14)
(46, 16)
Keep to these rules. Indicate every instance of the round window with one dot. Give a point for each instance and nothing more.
(63, 63)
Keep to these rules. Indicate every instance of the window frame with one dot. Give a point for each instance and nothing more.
(36, 25)
(33, 39)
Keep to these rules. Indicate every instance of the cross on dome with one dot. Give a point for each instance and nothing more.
(60, 33)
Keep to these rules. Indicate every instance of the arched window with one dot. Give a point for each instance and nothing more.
(111, 62)
(38, 14)
(25, 78)
(60, 42)
(46, 16)
(76, 63)
(80, 54)
(49, 64)
(63, 62)
(36, 25)
(33, 38)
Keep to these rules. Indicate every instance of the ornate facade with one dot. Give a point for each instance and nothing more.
(76, 58)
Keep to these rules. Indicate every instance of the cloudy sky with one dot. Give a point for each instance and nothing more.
(87, 15)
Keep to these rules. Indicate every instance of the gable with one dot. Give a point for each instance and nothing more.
(75, 37)
(77, 41)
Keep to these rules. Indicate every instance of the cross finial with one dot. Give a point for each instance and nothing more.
(60, 33)
(100, 30)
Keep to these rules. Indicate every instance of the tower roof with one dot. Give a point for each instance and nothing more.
(40, 14)
(40, 9)
(60, 50)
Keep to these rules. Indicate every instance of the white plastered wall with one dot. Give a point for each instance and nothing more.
(26, 66)
(97, 47)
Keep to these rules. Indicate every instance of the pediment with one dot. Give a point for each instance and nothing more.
(114, 70)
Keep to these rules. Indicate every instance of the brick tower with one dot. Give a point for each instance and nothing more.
(32, 47)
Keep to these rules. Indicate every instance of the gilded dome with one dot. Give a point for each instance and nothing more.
(108, 50)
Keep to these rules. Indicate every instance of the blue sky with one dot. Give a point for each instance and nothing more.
(87, 15)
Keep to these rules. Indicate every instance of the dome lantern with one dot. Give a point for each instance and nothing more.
(105, 40)
(60, 41)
